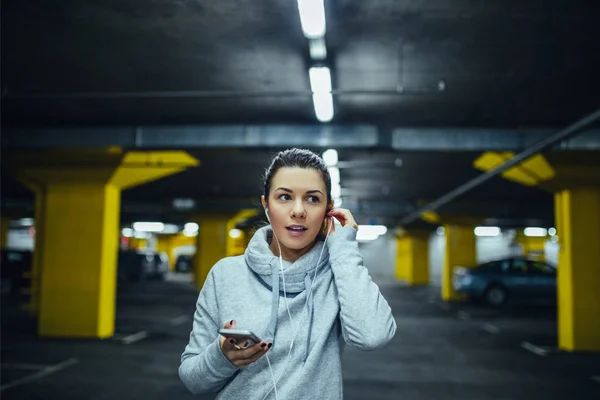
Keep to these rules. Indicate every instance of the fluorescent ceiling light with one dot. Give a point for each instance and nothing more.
(320, 79)
(312, 18)
(536, 232)
(140, 235)
(323, 103)
(317, 49)
(334, 173)
(487, 231)
(336, 190)
(235, 233)
(330, 157)
(184, 204)
(373, 229)
(191, 227)
(148, 226)
(170, 228)
(26, 222)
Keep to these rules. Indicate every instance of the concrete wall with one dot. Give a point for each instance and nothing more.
(380, 257)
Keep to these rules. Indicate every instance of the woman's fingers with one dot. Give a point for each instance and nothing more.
(225, 342)
(255, 355)
(344, 216)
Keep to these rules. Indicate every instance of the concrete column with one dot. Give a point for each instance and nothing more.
(533, 247)
(460, 252)
(412, 260)
(211, 245)
(78, 254)
(77, 215)
(578, 228)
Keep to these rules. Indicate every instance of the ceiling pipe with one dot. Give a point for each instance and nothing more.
(543, 144)
(208, 94)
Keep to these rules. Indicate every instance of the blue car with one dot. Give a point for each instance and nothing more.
(496, 281)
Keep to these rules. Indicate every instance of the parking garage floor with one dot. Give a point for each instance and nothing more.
(440, 352)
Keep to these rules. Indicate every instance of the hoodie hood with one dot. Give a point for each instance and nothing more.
(263, 262)
(298, 275)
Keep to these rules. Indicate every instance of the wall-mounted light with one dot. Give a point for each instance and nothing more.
(235, 233)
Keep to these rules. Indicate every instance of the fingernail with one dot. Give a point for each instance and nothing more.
(263, 345)
(270, 344)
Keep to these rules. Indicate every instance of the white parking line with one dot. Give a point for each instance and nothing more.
(182, 319)
(596, 378)
(490, 328)
(534, 349)
(40, 374)
(463, 315)
(135, 337)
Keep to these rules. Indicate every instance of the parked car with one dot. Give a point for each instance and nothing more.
(496, 281)
(13, 265)
(183, 263)
(161, 269)
(138, 266)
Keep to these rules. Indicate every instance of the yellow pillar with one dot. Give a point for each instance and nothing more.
(460, 252)
(77, 215)
(77, 296)
(4, 227)
(533, 247)
(578, 228)
(211, 245)
(412, 260)
(163, 245)
(137, 243)
(237, 245)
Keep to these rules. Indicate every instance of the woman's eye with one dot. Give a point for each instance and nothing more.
(284, 197)
(313, 199)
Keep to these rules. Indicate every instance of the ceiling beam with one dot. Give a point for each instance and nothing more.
(281, 136)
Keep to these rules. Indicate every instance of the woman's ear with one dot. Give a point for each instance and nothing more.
(263, 201)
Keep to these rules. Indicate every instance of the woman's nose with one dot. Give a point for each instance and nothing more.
(298, 210)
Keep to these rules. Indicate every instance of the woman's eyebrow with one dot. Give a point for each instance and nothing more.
(291, 191)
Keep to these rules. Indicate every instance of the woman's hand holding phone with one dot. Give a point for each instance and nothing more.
(239, 355)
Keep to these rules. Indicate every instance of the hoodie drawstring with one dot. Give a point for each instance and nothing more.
(307, 285)
(275, 305)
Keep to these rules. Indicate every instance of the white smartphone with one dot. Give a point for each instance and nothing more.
(239, 335)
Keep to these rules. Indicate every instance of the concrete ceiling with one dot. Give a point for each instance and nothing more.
(154, 61)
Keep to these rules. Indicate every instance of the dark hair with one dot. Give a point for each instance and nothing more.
(300, 158)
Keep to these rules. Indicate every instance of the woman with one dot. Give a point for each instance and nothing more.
(305, 294)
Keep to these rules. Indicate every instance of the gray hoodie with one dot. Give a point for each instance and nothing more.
(344, 307)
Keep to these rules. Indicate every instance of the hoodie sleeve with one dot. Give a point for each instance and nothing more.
(204, 368)
(366, 317)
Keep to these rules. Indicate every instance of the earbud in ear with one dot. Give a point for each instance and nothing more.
(267, 214)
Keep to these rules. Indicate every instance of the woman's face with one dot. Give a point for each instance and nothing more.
(297, 205)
